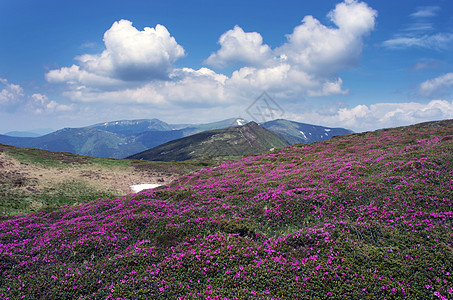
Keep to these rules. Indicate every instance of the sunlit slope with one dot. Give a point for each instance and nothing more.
(233, 141)
(362, 216)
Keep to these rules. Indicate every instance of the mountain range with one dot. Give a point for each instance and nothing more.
(119, 139)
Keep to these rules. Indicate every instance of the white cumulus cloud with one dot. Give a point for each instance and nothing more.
(312, 47)
(305, 65)
(237, 46)
(129, 55)
(316, 48)
(354, 17)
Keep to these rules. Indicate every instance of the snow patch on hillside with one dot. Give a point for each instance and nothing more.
(144, 186)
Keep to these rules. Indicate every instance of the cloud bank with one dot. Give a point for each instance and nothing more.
(380, 115)
(137, 66)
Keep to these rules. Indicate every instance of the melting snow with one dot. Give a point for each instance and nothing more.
(240, 122)
(144, 186)
(301, 132)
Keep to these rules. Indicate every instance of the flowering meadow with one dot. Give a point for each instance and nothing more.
(361, 216)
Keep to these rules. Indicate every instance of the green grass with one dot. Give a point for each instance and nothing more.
(14, 201)
(43, 157)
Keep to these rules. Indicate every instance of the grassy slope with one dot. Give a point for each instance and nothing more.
(233, 141)
(360, 216)
(39, 179)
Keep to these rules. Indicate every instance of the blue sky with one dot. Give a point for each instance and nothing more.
(362, 65)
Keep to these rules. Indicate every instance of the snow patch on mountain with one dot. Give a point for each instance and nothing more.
(240, 122)
(301, 132)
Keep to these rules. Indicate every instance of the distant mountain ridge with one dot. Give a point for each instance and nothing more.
(123, 138)
(83, 141)
(30, 133)
(22, 134)
(294, 132)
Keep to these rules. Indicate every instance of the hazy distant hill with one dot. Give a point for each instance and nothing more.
(22, 134)
(133, 127)
(233, 141)
(294, 132)
(84, 141)
(30, 133)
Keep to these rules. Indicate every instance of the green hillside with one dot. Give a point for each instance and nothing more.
(232, 141)
(361, 216)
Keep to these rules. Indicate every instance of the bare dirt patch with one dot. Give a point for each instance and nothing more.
(27, 187)
(14, 174)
